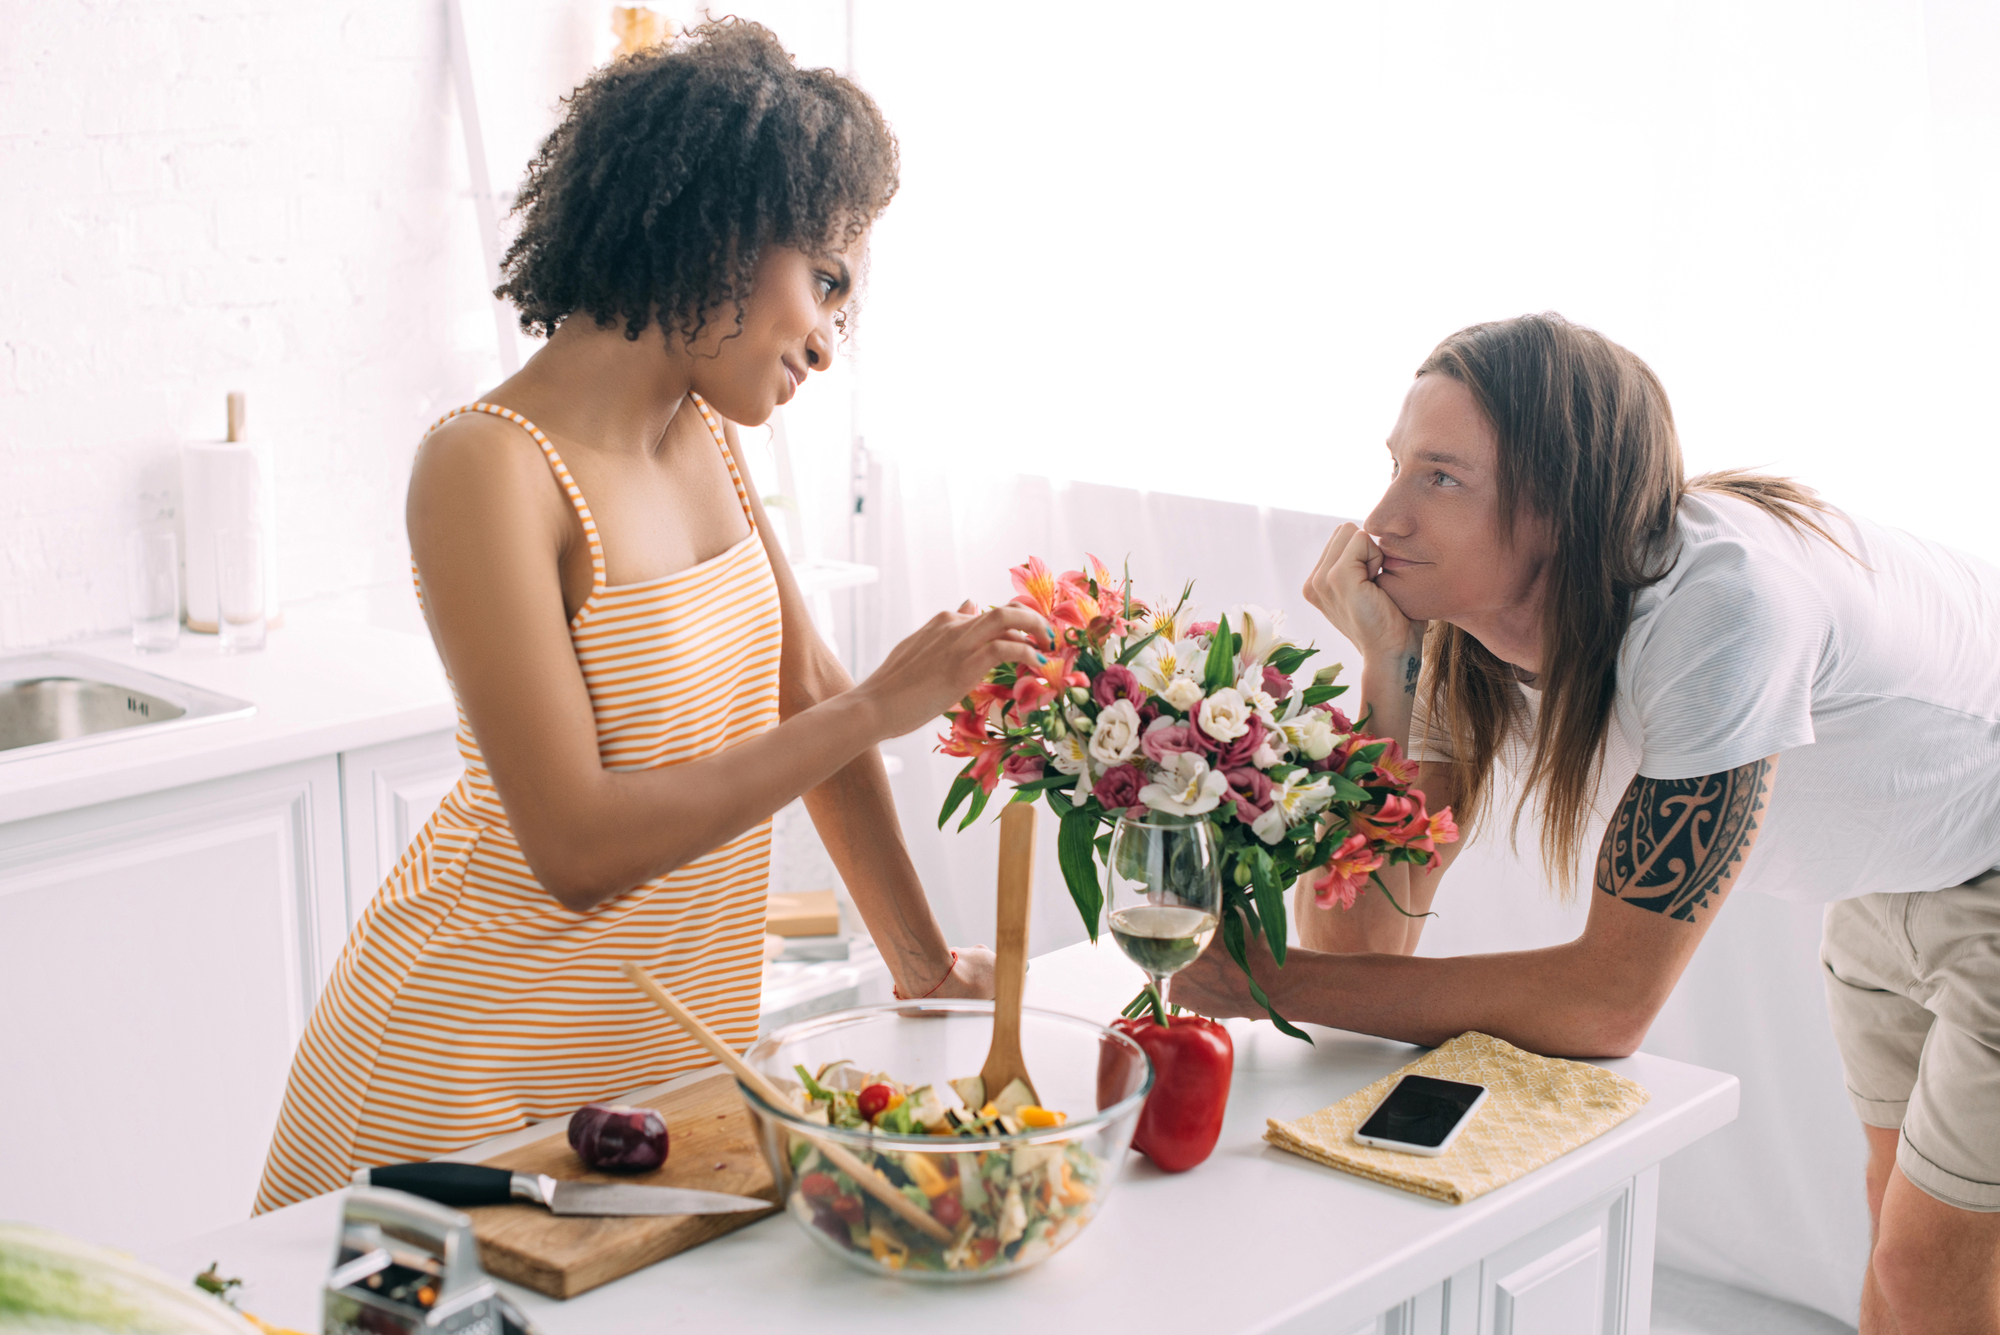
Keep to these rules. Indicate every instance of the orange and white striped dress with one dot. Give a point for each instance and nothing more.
(468, 1001)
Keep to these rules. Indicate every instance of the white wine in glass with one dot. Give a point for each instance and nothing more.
(1165, 893)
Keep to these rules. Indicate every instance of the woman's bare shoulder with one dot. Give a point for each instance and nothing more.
(479, 460)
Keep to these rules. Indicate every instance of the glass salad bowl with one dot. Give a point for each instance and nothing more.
(1006, 1191)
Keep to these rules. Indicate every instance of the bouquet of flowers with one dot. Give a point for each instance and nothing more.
(1141, 708)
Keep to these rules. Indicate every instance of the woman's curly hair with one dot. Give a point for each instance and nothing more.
(675, 167)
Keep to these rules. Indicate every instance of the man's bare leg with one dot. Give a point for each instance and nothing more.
(1933, 1269)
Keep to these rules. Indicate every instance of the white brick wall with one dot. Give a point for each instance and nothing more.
(205, 195)
(199, 197)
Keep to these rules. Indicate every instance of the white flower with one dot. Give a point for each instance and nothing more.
(1169, 626)
(1310, 734)
(1292, 800)
(1068, 755)
(1263, 706)
(1266, 756)
(1260, 631)
(1186, 786)
(1224, 715)
(1166, 661)
(1116, 739)
(1183, 693)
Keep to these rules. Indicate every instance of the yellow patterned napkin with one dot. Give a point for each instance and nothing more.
(1539, 1109)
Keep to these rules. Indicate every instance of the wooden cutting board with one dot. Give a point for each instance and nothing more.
(711, 1144)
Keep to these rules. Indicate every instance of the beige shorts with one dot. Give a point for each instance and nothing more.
(1913, 984)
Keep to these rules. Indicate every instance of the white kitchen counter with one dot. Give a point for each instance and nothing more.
(1253, 1240)
(328, 681)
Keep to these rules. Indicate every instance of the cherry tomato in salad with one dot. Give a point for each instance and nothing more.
(873, 1101)
(849, 1208)
(947, 1210)
(819, 1187)
(985, 1249)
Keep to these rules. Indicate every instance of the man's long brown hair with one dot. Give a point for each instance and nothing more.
(1587, 446)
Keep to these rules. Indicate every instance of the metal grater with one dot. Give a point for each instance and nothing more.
(405, 1266)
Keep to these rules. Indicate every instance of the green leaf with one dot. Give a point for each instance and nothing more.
(1270, 902)
(1059, 802)
(1232, 941)
(1220, 669)
(1319, 695)
(1346, 790)
(961, 788)
(1134, 649)
(1079, 865)
(1046, 782)
(1392, 899)
(979, 801)
(1289, 658)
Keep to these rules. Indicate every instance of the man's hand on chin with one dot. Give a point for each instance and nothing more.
(1215, 987)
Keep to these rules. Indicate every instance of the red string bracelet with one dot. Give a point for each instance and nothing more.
(934, 986)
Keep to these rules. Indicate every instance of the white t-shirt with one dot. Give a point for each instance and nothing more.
(1876, 682)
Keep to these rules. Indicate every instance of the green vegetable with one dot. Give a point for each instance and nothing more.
(55, 1283)
(813, 1087)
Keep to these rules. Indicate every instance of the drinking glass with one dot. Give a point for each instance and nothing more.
(1165, 892)
(153, 589)
(239, 588)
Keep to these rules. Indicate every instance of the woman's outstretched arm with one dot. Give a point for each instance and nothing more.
(854, 812)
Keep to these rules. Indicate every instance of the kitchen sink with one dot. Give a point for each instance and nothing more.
(55, 701)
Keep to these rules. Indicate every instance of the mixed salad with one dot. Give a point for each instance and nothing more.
(1003, 1206)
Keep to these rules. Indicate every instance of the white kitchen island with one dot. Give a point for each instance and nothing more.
(1253, 1240)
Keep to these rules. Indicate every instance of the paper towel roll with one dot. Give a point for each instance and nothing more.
(221, 487)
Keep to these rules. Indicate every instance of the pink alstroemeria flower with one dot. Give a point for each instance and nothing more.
(1393, 766)
(1040, 683)
(1035, 587)
(968, 737)
(1347, 874)
(1399, 820)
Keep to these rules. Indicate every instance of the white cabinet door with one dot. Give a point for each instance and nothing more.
(387, 792)
(1572, 1277)
(158, 959)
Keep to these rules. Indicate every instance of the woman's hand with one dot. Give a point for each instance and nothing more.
(937, 665)
(1342, 586)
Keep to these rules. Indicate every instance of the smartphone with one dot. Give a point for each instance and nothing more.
(1421, 1115)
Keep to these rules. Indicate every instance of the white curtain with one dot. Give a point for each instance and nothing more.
(1200, 250)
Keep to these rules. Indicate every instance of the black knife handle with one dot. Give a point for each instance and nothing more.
(447, 1183)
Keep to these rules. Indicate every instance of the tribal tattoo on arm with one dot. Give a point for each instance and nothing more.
(1673, 844)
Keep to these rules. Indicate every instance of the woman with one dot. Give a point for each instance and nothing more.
(639, 686)
(1748, 685)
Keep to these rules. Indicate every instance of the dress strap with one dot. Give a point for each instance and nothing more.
(728, 456)
(561, 471)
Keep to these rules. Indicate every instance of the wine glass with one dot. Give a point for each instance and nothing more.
(1165, 892)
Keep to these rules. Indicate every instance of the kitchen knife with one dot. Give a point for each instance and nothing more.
(475, 1184)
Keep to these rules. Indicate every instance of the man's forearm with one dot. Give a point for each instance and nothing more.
(1545, 1001)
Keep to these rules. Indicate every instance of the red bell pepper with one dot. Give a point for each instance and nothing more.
(1192, 1060)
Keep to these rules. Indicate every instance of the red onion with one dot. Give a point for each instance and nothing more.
(615, 1139)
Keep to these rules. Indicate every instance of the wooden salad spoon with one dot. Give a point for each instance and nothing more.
(864, 1175)
(1010, 968)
